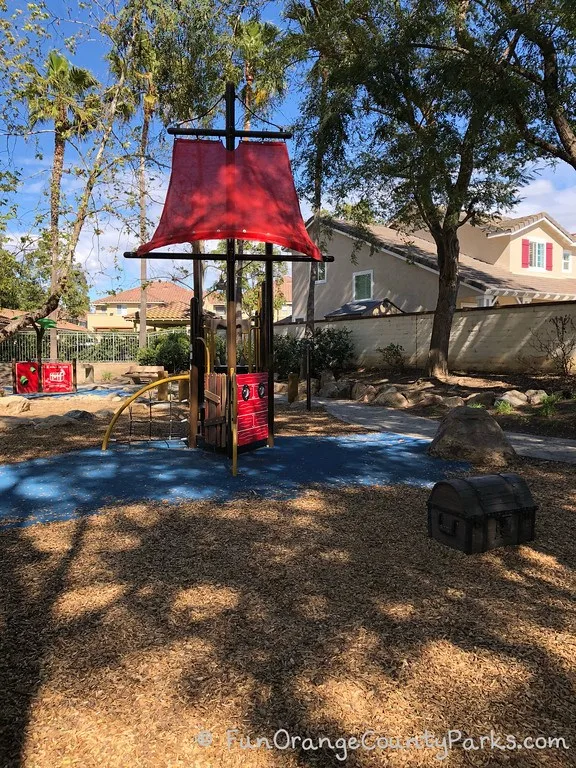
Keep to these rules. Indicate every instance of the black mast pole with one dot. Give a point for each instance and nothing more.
(231, 299)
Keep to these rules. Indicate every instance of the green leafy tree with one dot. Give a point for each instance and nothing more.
(434, 149)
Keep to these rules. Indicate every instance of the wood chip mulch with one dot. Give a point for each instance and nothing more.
(125, 634)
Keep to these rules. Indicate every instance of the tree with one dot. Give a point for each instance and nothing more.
(429, 147)
(529, 47)
(64, 96)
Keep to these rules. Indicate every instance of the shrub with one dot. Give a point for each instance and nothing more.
(503, 408)
(548, 406)
(147, 356)
(393, 356)
(557, 343)
(287, 355)
(107, 376)
(332, 349)
(173, 352)
(476, 405)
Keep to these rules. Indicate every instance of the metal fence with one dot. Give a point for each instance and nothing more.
(88, 347)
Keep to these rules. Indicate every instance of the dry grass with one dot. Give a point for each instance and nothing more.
(125, 633)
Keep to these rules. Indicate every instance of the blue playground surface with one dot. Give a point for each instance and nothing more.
(80, 393)
(71, 484)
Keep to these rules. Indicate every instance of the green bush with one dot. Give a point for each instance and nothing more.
(331, 349)
(173, 352)
(476, 405)
(287, 355)
(548, 406)
(503, 408)
(393, 356)
(147, 356)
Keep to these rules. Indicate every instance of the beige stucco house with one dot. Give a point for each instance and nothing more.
(510, 261)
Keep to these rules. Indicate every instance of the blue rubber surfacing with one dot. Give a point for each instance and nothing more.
(67, 485)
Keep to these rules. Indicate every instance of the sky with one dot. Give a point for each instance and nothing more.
(552, 190)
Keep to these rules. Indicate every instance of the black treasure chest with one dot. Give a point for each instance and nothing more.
(475, 514)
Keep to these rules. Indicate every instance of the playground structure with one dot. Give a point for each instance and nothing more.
(243, 193)
(32, 377)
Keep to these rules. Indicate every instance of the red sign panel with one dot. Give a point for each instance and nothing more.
(26, 378)
(57, 377)
(252, 393)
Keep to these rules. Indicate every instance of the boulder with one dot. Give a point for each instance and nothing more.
(12, 405)
(453, 401)
(344, 387)
(536, 396)
(79, 415)
(481, 398)
(430, 399)
(359, 389)
(330, 389)
(369, 394)
(473, 435)
(280, 387)
(326, 377)
(514, 397)
(391, 400)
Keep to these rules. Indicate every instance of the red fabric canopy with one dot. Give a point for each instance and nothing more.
(248, 194)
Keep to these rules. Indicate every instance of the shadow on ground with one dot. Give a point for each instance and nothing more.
(324, 614)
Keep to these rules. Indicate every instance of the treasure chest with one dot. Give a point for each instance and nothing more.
(475, 514)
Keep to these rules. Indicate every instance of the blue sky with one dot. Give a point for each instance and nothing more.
(553, 190)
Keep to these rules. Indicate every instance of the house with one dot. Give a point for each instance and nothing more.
(508, 261)
(284, 289)
(117, 312)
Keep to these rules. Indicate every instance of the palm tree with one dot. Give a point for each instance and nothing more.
(63, 95)
(261, 68)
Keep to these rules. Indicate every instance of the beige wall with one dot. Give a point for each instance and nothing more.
(491, 339)
(473, 242)
(548, 234)
(410, 286)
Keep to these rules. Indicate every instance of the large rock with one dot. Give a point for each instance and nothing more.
(8, 423)
(280, 387)
(516, 398)
(453, 401)
(330, 389)
(326, 377)
(359, 389)
(12, 405)
(473, 435)
(391, 400)
(481, 398)
(344, 387)
(536, 396)
(431, 399)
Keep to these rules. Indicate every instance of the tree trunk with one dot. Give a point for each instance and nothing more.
(147, 114)
(55, 190)
(448, 249)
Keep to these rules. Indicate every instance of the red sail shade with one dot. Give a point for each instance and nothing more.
(247, 194)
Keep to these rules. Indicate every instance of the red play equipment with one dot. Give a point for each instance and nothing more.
(230, 192)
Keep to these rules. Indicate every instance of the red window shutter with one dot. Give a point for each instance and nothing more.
(549, 257)
(525, 254)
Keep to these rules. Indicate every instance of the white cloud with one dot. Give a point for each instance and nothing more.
(554, 193)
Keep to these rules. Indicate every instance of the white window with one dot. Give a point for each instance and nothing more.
(362, 286)
(321, 267)
(566, 261)
(537, 255)
(101, 307)
(122, 309)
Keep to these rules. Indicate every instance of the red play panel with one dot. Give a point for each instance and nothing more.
(57, 377)
(247, 193)
(26, 378)
(252, 393)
